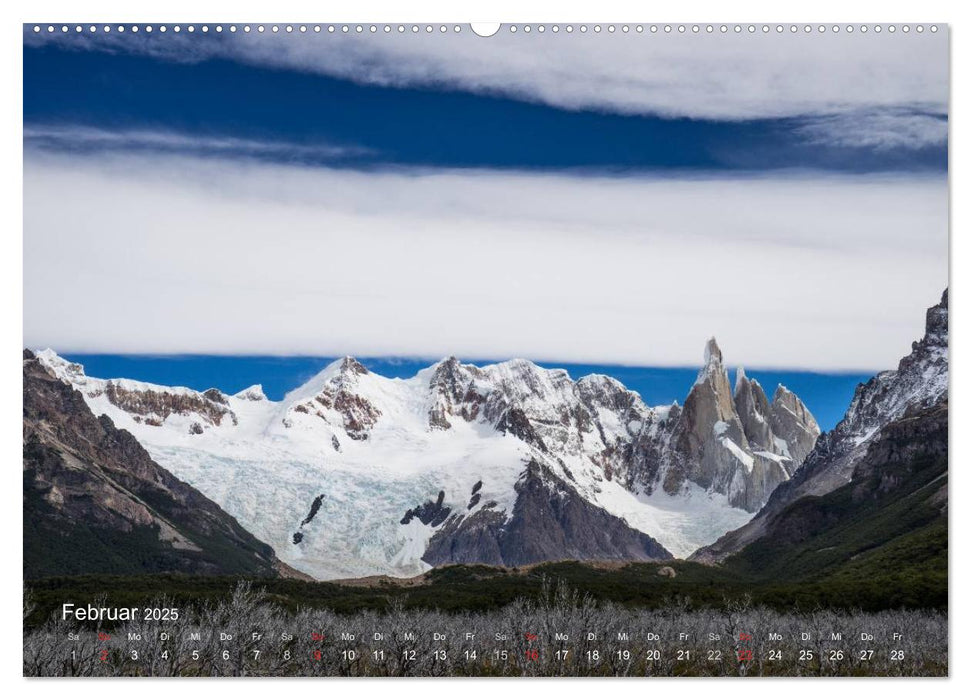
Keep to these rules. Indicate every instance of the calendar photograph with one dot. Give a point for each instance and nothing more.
(381, 350)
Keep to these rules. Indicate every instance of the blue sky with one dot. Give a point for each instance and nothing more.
(577, 200)
(368, 126)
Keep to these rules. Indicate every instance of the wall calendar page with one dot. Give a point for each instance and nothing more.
(451, 350)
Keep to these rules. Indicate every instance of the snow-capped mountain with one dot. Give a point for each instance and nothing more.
(356, 474)
(919, 382)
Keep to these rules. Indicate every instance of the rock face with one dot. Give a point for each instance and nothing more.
(146, 403)
(432, 513)
(919, 382)
(794, 430)
(755, 413)
(737, 444)
(339, 401)
(96, 502)
(440, 467)
(550, 521)
(253, 393)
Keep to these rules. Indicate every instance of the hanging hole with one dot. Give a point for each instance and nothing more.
(485, 29)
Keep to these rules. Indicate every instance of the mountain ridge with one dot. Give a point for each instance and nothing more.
(919, 382)
(377, 448)
(883, 536)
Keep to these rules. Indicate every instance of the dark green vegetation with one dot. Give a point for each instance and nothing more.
(53, 545)
(451, 588)
(480, 589)
(56, 545)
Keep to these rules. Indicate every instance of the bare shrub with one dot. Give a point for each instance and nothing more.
(561, 633)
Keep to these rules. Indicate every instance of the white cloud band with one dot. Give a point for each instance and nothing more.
(705, 76)
(172, 254)
(68, 138)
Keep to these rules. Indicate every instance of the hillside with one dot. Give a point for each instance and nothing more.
(884, 534)
(94, 501)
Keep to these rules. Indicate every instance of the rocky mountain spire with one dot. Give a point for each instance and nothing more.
(793, 425)
(725, 441)
(752, 406)
(740, 378)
